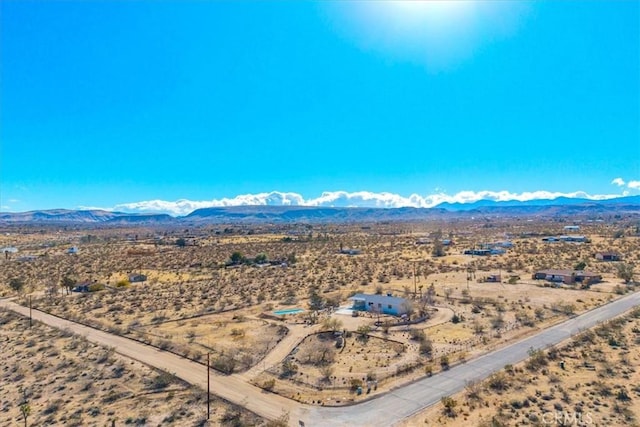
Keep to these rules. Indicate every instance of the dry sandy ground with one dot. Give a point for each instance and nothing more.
(592, 380)
(70, 381)
(192, 281)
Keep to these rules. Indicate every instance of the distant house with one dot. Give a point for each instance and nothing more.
(27, 258)
(573, 238)
(423, 241)
(571, 228)
(493, 278)
(347, 251)
(81, 287)
(480, 252)
(608, 256)
(565, 238)
(567, 276)
(503, 244)
(136, 277)
(446, 242)
(72, 250)
(385, 304)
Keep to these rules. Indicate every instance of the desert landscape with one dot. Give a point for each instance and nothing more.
(388, 213)
(270, 303)
(55, 377)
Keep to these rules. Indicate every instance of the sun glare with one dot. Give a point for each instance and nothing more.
(438, 33)
(428, 15)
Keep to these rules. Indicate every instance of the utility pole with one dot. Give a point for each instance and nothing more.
(30, 321)
(208, 388)
(415, 287)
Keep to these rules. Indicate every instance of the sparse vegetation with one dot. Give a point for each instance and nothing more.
(222, 301)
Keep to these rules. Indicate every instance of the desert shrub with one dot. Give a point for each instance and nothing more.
(95, 287)
(497, 322)
(289, 368)
(123, 284)
(417, 335)
(473, 390)
(224, 363)
(428, 369)
(269, 384)
(448, 406)
(444, 362)
(620, 290)
(161, 381)
(106, 355)
(326, 372)
(426, 347)
(238, 332)
(355, 383)
(52, 407)
(537, 359)
(498, 382)
(364, 331)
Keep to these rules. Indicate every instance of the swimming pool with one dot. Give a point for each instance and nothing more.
(288, 311)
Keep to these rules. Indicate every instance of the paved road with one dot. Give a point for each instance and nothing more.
(394, 406)
(385, 410)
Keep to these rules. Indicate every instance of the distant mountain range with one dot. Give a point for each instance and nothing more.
(82, 216)
(562, 206)
(559, 201)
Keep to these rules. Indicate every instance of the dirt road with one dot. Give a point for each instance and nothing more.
(384, 410)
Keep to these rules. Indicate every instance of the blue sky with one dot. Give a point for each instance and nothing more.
(137, 105)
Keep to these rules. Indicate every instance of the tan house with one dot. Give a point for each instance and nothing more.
(567, 276)
(608, 256)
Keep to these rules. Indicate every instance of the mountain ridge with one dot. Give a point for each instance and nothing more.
(297, 213)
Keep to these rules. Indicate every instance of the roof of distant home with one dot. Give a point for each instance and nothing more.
(554, 272)
(378, 299)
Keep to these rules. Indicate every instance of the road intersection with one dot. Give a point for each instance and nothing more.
(383, 410)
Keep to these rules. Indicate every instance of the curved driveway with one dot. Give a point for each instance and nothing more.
(383, 410)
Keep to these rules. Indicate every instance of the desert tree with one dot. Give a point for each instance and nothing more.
(626, 272)
(430, 295)
(438, 249)
(331, 324)
(236, 258)
(67, 283)
(25, 408)
(408, 308)
(17, 284)
(478, 327)
(316, 301)
(447, 293)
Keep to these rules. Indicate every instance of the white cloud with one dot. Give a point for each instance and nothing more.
(634, 185)
(347, 199)
(94, 208)
(618, 181)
